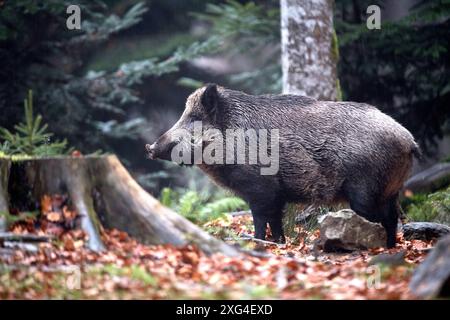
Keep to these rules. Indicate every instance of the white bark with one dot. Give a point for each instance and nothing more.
(308, 55)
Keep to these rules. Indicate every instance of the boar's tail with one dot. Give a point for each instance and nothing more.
(415, 150)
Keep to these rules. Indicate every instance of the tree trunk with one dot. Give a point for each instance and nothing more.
(5, 164)
(309, 49)
(309, 55)
(103, 193)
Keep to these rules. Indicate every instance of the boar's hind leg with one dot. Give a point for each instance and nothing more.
(276, 226)
(365, 207)
(391, 213)
(369, 208)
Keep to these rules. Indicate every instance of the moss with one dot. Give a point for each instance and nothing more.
(15, 158)
(334, 46)
(21, 157)
(432, 207)
(335, 57)
(338, 90)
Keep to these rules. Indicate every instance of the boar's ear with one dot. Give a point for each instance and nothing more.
(210, 99)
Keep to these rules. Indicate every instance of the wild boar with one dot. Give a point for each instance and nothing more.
(324, 153)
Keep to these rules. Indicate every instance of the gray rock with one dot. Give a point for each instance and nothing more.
(424, 230)
(431, 279)
(344, 230)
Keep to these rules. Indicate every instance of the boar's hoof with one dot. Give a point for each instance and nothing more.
(280, 239)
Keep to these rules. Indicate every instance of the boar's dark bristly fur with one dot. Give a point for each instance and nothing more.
(329, 152)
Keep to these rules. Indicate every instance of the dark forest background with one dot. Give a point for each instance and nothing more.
(122, 80)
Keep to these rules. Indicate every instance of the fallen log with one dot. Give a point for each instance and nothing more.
(424, 230)
(104, 194)
(9, 236)
(429, 180)
(247, 237)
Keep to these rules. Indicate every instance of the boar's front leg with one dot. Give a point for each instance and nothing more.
(268, 212)
(260, 224)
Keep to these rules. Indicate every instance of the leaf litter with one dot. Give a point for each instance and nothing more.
(128, 269)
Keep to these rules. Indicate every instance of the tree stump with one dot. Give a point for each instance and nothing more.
(5, 164)
(104, 194)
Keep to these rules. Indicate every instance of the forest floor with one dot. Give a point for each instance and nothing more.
(64, 269)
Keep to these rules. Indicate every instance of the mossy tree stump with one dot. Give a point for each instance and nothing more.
(104, 194)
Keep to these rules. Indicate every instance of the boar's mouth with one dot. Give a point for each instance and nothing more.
(164, 152)
(150, 152)
(158, 151)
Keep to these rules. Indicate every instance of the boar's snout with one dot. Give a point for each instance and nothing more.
(151, 150)
(161, 149)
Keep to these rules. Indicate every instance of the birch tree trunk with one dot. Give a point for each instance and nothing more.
(309, 55)
(309, 49)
